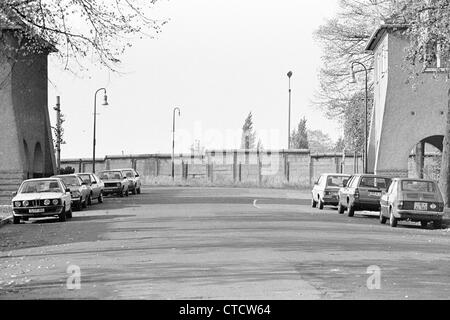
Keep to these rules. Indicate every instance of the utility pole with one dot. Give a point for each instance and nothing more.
(58, 133)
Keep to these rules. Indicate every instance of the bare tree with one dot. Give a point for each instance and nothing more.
(99, 30)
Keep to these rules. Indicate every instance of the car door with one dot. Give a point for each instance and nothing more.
(343, 192)
(94, 187)
(138, 178)
(350, 192)
(316, 188)
(384, 201)
(66, 198)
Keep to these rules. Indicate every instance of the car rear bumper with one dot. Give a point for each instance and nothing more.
(369, 205)
(49, 212)
(419, 215)
(331, 200)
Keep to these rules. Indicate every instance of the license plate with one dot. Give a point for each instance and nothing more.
(420, 206)
(375, 194)
(36, 211)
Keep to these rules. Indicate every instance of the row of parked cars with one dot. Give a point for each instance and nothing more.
(61, 194)
(395, 199)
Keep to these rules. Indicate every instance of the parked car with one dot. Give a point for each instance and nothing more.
(115, 183)
(95, 185)
(412, 199)
(37, 198)
(134, 180)
(326, 189)
(78, 189)
(362, 192)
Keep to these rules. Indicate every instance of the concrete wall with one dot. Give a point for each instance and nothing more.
(297, 167)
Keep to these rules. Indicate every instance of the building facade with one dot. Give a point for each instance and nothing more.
(410, 105)
(26, 145)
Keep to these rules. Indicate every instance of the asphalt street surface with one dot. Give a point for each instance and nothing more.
(194, 243)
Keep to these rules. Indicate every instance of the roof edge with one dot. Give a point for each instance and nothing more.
(379, 32)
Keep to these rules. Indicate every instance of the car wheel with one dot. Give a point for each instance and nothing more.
(62, 216)
(139, 190)
(127, 193)
(437, 224)
(100, 198)
(85, 203)
(383, 219)
(393, 221)
(89, 201)
(80, 205)
(313, 203)
(134, 190)
(424, 224)
(25, 219)
(351, 211)
(341, 208)
(16, 220)
(321, 204)
(69, 213)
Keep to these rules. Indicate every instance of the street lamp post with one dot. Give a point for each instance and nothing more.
(289, 113)
(367, 106)
(58, 134)
(173, 140)
(94, 142)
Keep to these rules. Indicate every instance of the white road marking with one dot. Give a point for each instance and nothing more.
(254, 204)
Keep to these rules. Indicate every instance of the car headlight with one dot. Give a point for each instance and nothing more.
(17, 204)
(55, 202)
(76, 194)
(119, 184)
(26, 203)
(47, 202)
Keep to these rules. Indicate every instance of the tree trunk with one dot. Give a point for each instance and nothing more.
(444, 179)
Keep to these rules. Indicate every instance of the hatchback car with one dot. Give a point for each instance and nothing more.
(38, 198)
(362, 193)
(79, 191)
(414, 200)
(115, 183)
(134, 180)
(95, 185)
(326, 189)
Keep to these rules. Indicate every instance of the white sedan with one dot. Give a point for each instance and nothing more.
(37, 198)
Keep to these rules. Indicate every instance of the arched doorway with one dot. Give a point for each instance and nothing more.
(425, 158)
(38, 162)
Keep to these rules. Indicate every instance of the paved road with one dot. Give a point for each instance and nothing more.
(219, 244)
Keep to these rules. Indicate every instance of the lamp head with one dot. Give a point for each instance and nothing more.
(105, 100)
(289, 74)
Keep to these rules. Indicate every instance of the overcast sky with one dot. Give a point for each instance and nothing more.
(217, 60)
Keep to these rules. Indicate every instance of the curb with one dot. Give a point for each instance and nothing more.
(7, 220)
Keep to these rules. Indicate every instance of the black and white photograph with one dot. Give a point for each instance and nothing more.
(234, 151)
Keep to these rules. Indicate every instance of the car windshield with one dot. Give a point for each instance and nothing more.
(85, 177)
(375, 182)
(70, 180)
(423, 186)
(129, 174)
(40, 186)
(111, 175)
(336, 181)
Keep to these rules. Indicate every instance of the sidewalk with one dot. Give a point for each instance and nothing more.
(5, 215)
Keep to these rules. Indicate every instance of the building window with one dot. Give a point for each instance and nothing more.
(435, 60)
